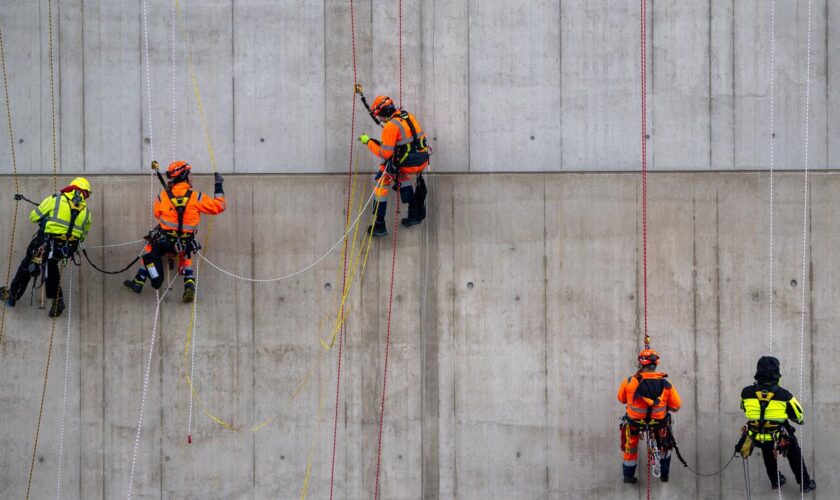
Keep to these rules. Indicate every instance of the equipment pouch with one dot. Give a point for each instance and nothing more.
(745, 445)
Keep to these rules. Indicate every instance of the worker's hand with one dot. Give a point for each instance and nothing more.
(217, 177)
(364, 138)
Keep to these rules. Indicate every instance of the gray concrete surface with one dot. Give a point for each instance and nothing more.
(499, 86)
(516, 315)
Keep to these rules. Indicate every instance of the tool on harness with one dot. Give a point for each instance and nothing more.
(156, 168)
(358, 90)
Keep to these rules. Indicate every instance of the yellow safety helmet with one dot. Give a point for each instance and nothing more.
(81, 184)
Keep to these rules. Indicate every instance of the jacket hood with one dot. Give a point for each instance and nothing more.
(768, 369)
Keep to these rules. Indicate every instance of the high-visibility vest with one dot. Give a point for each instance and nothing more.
(62, 222)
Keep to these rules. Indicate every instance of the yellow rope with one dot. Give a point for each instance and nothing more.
(17, 183)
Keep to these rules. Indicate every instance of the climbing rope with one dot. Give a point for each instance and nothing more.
(772, 160)
(805, 259)
(15, 179)
(43, 397)
(300, 271)
(66, 376)
(146, 386)
(191, 346)
(149, 107)
(173, 128)
(387, 346)
(59, 292)
(643, 47)
(344, 251)
(52, 99)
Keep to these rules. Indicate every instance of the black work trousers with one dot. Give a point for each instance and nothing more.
(28, 269)
(794, 456)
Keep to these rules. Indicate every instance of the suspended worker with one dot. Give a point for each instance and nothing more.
(768, 408)
(178, 209)
(63, 222)
(649, 398)
(404, 153)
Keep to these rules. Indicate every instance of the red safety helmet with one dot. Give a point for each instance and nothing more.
(178, 171)
(648, 357)
(382, 106)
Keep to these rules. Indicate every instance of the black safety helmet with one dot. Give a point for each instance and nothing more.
(768, 369)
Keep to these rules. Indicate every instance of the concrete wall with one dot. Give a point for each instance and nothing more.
(516, 315)
(500, 86)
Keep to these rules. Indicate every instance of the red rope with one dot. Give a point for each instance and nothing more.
(387, 346)
(346, 224)
(644, 160)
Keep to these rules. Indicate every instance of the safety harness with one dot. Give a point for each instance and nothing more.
(416, 152)
(180, 241)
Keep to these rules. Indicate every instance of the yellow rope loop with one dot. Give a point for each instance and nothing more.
(14, 177)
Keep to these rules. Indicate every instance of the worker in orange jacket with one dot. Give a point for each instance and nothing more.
(178, 210)
(649, 398)
(404, 153)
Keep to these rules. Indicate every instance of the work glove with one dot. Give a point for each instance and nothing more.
(217, 177)
(364, 138)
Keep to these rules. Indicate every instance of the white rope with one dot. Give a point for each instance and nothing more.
(172, 72)
(301, 271)
(804, 243)
(66, 376)
(146, 387)
(192, 355)
(772, 158)
(118, 244)
(149, 108)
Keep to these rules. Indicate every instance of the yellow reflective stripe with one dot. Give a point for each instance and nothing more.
(174, 225)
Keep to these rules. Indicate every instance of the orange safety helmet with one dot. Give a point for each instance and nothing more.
(178, 171)
(382, 106)
(648, 357)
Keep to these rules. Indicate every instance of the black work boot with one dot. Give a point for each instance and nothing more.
(629, 474)
(810, 486)
(189, 290)
(57, 307)
(7, 297)
(413, 219)
(378, 229)
(782, 481)
(134, 285)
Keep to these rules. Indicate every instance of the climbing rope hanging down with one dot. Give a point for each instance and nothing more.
(59, 291)
(14, 178)
(804, 277)
(145, 391)
(66, 376)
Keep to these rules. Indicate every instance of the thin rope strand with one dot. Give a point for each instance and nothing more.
(296, 273)
(16, 181)
(149, 109)
(193, 335)
(804, 241)
(52, 99)
(66, 377)
(146, 388)
(770, 259)
(387, 349)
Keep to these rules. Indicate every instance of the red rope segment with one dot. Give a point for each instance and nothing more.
(643, 45)
(344, 252)
(387, 346)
